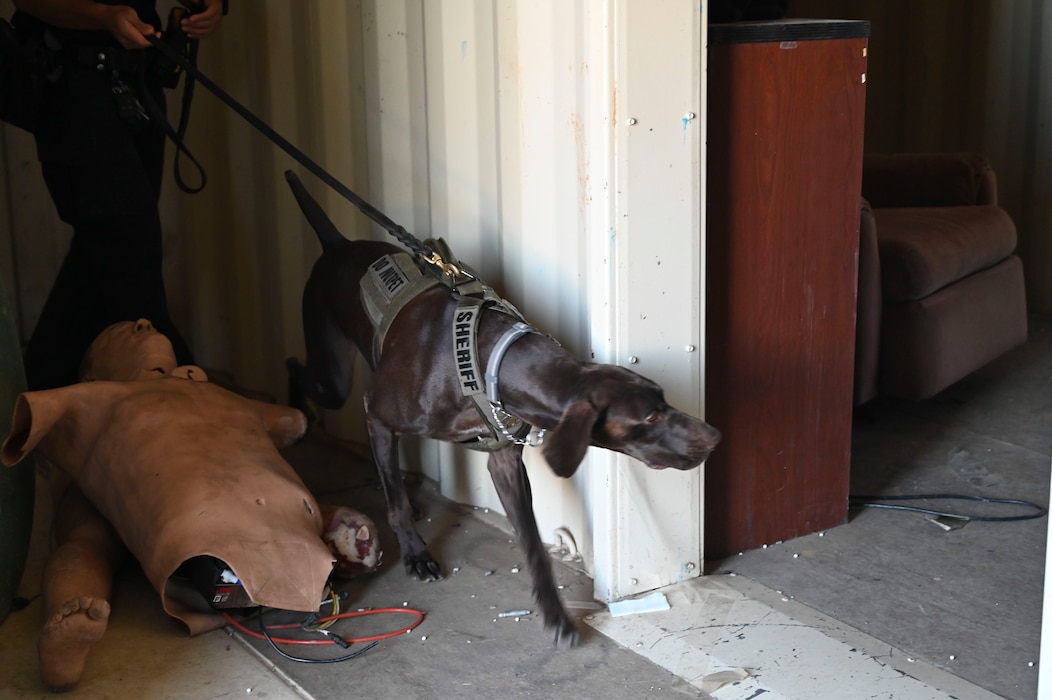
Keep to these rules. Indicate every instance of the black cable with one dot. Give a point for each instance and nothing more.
(872, 502)
(275, 647)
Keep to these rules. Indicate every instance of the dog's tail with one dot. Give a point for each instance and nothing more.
(327, 232)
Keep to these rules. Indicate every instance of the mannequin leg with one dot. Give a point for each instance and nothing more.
(78, 580)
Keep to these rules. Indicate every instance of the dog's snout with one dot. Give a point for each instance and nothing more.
(712, 437)
(703, 442)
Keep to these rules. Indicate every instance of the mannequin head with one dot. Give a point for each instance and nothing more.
(128, 351)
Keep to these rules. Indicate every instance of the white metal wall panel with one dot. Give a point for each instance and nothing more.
(525, 149)
(554, 96)
(652, 533)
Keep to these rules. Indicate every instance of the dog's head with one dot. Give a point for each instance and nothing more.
(625, 412)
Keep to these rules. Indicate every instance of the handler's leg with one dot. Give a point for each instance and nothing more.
(78, 579)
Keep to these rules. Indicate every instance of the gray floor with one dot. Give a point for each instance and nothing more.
(464, 649)
(967, 600)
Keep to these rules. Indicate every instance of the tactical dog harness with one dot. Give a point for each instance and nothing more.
(396, 279)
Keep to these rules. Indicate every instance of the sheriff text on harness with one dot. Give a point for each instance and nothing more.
(463, 329)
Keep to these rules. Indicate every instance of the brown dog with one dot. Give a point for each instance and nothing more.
(417, 382)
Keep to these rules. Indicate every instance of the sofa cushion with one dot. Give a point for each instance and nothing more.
(928, 344)
(923, 249)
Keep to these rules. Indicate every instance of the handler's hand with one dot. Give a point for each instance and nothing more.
(204, 22)
(124, 24)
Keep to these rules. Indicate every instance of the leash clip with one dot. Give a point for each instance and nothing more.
(447, 268)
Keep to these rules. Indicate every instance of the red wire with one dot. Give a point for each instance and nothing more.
(350, 640)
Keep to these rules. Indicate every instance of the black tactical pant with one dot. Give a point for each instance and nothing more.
(104, 176)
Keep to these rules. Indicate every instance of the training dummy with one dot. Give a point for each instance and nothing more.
(168, 466)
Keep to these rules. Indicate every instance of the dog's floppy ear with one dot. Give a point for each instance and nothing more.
(565, 445)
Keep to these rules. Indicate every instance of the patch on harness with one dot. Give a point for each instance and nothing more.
(465, 350)
(388, 277)
(391, 282)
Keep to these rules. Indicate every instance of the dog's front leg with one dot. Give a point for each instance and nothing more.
(418, 561)
(513, 486)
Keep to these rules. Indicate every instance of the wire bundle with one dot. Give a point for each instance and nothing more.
(320, 625)
(878, 502)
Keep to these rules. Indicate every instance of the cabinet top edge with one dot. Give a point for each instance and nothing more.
(788, 30)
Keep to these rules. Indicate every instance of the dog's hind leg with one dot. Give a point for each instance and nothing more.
(419, 562)
(326, 377)
(513, 486)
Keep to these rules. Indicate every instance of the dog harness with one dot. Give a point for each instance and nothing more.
(396, 279)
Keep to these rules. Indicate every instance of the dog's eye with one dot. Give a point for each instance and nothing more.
(654, 417)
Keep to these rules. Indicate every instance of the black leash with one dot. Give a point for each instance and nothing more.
(180, 131)
(177, 135)
(407, 239)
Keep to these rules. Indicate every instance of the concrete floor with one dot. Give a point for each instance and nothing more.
(833, 621)
(967, 600)
(724, 636)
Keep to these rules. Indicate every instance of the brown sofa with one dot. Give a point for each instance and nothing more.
(940, 289)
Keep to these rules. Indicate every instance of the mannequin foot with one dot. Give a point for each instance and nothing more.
(67, 638)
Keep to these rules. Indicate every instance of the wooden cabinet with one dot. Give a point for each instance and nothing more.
(786, 106)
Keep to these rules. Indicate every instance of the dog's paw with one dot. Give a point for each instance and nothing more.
(423, 566)
(556, 618)
(566, 634)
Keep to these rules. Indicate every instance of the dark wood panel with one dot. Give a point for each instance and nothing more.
(784, 175)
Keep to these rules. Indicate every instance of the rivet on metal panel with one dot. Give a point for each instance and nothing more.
(690, 115)
(690, 348)
(631, 121)
(633, 360)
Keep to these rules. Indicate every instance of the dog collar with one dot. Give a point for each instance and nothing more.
(497, 356)
(533, 437)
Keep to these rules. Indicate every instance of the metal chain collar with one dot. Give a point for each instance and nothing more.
(534, 438)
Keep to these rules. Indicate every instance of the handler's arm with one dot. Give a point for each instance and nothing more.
(119, 20)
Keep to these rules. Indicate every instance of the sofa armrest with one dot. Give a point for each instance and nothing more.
(928, 180)
(868, 311)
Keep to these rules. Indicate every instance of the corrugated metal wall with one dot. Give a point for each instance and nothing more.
(557, 146)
